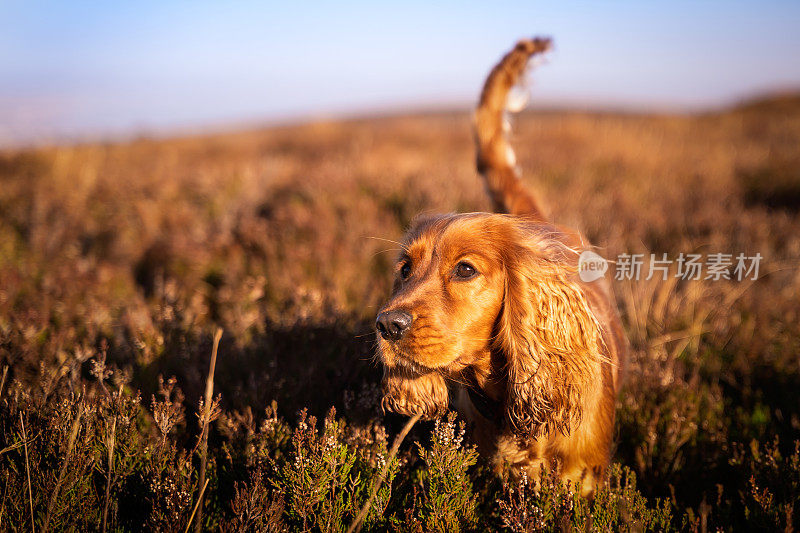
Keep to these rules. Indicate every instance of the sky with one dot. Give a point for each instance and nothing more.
(76, 70)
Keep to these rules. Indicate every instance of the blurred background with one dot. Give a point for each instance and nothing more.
(79, 70)
(170, 168)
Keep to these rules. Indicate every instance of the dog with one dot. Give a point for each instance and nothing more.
(489, 311)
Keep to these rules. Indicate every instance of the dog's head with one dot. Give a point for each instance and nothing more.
(478, 287)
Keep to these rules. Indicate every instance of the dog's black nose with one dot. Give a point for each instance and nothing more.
(393, 324)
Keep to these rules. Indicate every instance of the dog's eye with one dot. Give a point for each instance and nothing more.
(405, 270)
(465, 271)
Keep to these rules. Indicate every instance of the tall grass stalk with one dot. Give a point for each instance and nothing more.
(194, 509)
(111, 440)
(3, 379)
(73, 435)
(27, 470)
(355, 527)
(204, 436)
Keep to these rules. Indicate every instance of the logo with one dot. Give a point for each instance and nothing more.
(591, 266)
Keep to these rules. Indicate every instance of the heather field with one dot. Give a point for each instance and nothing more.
(118, 262)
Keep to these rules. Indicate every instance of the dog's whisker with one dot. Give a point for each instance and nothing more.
(402, 246)
(386, 250)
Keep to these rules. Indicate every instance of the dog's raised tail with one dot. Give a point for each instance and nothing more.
(496, 160)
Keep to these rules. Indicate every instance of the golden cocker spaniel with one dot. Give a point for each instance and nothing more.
(488, 310)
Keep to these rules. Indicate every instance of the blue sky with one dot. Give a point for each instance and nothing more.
(89, 69)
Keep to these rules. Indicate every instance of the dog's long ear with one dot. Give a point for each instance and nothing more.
(551, 341)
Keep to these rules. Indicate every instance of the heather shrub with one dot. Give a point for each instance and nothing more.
(444, 500)
(549, 504)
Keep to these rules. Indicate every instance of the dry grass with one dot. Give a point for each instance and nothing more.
(117, 262)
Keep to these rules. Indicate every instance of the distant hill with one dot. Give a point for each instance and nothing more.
(783, 102)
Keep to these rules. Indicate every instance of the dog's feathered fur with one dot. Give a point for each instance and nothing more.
(524, 332)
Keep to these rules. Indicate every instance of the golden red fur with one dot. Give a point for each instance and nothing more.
(488, 311)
